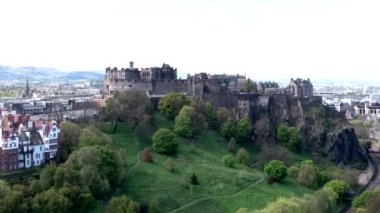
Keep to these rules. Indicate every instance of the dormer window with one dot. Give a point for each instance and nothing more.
(54, 129)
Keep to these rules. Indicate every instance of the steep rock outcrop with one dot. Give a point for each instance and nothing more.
(326, 132)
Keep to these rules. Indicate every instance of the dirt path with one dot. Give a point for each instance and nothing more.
(137, 163)
(218, 196)
(375, 181)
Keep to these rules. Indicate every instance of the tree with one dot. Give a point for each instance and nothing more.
(242, 156)
(165, 141)
(223, 115)
(122, 204)
(276, 169)
(228, 161)
(293, 172)
(283, 205)
(91, 136)
(293, 138)
(146, 156)
(307, 176)
(269, 153)
(11, 200)
(171, 104)
(282, 134)
(243, 129)
(113, 111)
(69, 138)
(188, 122)
(50, 201)
(129, 106)
(47, 176)
(288, 136)
(249, 86)
(228, 129)
(338, 186)
(210, 115)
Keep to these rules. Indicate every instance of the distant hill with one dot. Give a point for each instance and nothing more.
(8, 73)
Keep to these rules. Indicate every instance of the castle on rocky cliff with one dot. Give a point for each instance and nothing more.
(220, 89)
(161, 80)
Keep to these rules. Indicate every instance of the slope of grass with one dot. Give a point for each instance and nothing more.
(164, 191)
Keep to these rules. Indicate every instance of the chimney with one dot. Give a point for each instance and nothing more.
(131, 65)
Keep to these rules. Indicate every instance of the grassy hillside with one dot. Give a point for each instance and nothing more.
(221, 189)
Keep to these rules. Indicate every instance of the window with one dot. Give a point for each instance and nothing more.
(54, 129)
(54, 135)
(40, 148)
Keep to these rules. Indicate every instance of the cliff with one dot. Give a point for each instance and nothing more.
(326, 132)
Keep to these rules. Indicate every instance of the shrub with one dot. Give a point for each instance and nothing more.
(228, 129)
(165, 141)
(242, 156)
(146, 156)
(243, 129)
(338, 186)
(363, 199)
(194, 179)
(228, 161)
(169, 165)
(122, 204)
(293, 172)
(232, 145)
(276, 169)
(307, 176)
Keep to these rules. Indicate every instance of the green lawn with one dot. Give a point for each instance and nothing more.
(151, 184)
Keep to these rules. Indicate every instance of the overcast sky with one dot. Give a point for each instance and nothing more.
(260, 38)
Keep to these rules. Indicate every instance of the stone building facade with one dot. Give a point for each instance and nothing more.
(300, 88)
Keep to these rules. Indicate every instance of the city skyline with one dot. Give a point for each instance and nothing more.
(262, 39)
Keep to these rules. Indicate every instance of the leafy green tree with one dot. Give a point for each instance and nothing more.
(171, 104)
(228, 161)
(283, 205)
(89, 138)
(293, 138)
(228, 129)
(122, 204)
(11, 200)
(243, 129)
(113, 111)
(210, 115)
(338, 186)
(242, 156)
(165, 141)
(288, 136)
(47, 176)
(189, 122)
(276, 169)
(283, 134)
(307, 176)
(323, 200)
(69, 138)
(50, 202)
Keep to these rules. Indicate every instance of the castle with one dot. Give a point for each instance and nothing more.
(222, 90)
(161, 80)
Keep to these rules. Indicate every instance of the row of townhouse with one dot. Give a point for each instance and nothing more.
(25, 143)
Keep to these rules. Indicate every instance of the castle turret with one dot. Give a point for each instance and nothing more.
(131, 65)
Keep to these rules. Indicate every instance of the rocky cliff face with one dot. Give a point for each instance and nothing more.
(326, 132)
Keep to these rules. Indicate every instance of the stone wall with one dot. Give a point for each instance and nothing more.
(166, 86)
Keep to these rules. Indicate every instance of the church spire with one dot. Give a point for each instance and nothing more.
(27, 88)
